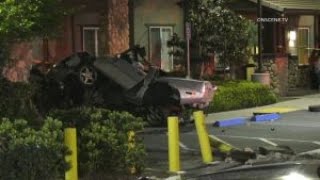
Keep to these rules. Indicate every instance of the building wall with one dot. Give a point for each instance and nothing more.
(299, 75)
(156, 12)
(111, 16)
(24, 55)
(60, 47)
(117, 26)
(81, 20)
(277, 66)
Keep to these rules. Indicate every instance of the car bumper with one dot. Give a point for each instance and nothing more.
(193, 93)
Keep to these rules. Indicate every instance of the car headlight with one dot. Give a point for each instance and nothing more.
(294, 176)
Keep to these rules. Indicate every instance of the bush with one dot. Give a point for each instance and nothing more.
(239, 95)
(27, 153)
(103, 140)
(16, 100)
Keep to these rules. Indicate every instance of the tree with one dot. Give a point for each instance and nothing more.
(217, 29)
(178, 51)
(25, 19)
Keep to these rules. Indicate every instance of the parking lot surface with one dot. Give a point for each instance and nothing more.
(298, 130)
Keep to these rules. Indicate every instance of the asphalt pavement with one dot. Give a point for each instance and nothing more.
(298, 128)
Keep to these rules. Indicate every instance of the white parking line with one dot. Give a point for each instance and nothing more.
(220, 140)
(183, 145)
(282, 123)
(268, 142)
(271, 139)
(316, 142)
(315, 151)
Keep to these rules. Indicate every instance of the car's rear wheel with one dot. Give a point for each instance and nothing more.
(186, 116)
(155, 116)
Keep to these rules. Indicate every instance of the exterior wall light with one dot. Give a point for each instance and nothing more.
(291, 43)
(292, 36)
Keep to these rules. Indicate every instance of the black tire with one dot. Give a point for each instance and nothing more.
(92, 97)
(315, 108)
(155, 116)
(72, 92)
(187, 116)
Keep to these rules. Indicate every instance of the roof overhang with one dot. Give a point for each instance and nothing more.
(292, 6)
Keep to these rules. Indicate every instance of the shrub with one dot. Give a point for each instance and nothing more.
(16, 100)
(27, 153)
(238, 95)
(103, 140)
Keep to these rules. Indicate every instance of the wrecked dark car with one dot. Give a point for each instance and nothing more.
(124, 82)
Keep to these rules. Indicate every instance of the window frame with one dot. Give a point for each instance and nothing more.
(165, 26)
(308, 28)
(96, 37)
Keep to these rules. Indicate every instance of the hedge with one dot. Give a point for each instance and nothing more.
(103, 140)
(239, 95)
(16, 100)
(104, 150)
(29, 153)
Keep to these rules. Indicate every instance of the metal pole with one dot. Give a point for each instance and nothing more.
(259, 14)
(188, 38)
(188, 59)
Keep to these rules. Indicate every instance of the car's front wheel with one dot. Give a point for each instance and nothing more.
(92, 97)
(88, 75)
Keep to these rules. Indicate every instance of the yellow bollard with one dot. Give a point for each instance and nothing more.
(70, 140)
(249, 72)
(131, 145)
(203, 137)
(225, 148)
(173, 144)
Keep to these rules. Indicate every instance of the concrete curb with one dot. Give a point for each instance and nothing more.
(272, 110)
(244, 120)
(266, 117)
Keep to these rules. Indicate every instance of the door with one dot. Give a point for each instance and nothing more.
(159, 52)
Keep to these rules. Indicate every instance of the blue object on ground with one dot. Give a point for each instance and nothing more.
(230, 122)
(266, 117)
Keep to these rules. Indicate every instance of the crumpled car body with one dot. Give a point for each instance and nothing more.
(115, 83)
(193, 93)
